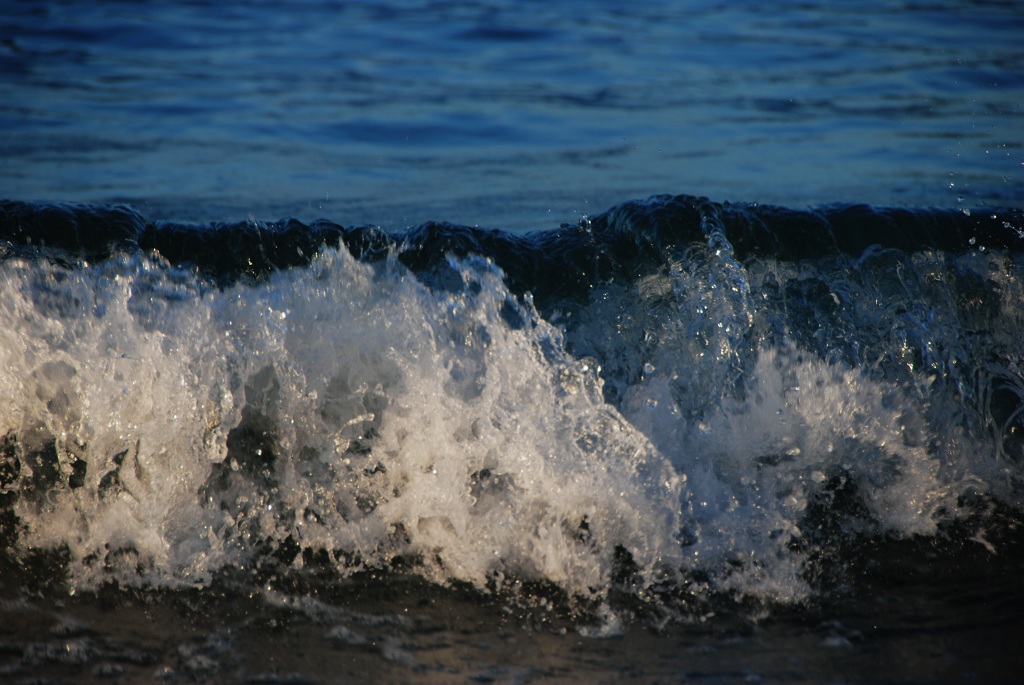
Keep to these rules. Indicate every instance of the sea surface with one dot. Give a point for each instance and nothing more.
(511, 342)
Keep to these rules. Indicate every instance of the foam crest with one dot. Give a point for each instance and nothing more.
(707, 426)
(344, 409)
(808, 405)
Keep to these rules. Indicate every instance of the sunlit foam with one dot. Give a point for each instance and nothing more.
(345, 407)
(168, 429)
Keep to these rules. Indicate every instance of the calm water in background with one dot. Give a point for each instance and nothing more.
(504, 114)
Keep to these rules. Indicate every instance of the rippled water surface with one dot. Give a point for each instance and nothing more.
(511, 115)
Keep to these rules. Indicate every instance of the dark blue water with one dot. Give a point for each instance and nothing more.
(490, 406)
(507, 115)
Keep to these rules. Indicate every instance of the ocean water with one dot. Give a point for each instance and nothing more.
(400, 342)
(507, 115)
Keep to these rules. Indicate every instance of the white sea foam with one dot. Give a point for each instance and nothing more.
(402, 421)
(352, 408)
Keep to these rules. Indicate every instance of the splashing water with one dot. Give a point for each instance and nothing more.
(709, 422)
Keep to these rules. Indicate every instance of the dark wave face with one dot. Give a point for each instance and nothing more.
(673, 401)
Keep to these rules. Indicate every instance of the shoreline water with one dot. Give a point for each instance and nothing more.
(434, 635)
(906, 617)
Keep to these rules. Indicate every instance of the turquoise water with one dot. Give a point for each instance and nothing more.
(508, 115)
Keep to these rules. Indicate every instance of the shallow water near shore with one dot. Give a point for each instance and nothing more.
(913, 622)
